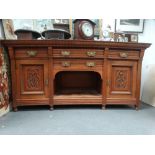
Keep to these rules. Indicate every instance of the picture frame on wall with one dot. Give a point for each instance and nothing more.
(41, 25)
(23, 24)
(98, 27)
(134, 37)
(129, 25)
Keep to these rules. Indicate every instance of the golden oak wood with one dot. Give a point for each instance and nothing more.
(77, 72)
(50, 74)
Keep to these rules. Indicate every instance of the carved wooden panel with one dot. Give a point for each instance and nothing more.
(122, 82)
(33, 79)
(121, 78)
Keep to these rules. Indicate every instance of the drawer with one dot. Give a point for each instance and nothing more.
(78, 53)
(70, 64)
(115, 54)
(31, 52)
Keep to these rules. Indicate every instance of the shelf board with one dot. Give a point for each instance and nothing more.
(78, 99)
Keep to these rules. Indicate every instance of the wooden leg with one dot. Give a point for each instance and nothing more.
(103, 107)
(51, 108)
(15, 109)
(136, 107)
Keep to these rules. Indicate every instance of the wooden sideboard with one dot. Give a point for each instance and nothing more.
(75, 72)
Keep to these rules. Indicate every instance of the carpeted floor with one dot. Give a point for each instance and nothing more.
(79, 120)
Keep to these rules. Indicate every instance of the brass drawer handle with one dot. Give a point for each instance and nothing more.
(66, 64)
(123, 55)
(91, 53)
(65, 53)
(32, 53)
(90, 64)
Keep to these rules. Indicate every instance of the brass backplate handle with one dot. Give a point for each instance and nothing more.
(123, 55)
(66, 64)
(32, 53)
(65, 53)
(90, 64)
(91, 53)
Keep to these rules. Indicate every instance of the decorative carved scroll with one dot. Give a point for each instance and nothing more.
(121, 79)
(33, 78)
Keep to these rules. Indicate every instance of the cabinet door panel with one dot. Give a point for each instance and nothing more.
(32, 79)
(121, 79)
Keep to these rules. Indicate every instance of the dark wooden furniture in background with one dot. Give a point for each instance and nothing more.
(63, 72)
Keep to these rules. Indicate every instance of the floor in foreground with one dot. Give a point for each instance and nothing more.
(79, 120)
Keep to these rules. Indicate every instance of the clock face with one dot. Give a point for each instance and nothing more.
(87, 29)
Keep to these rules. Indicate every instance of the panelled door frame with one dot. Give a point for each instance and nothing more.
(24, 91)
(123, 84)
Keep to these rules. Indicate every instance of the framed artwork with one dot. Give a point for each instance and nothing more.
(8, 29)
(23, 24)
(60, 21)
(37, 24)
(134, 37)
(98, 27)
(42, 24)
(131, 37)
(129, 25)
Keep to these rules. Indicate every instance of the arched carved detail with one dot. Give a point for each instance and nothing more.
(57, 71)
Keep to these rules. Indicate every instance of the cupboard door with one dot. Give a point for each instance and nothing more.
(121, 82)
(32, 79)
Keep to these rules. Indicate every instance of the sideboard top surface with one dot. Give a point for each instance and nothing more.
(73, 43)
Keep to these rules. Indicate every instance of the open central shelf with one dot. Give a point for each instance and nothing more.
(77, 82)
(78, 91)
(77, 87)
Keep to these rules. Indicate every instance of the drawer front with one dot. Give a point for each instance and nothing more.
(31, 52)
(123, 54)
(78, 53)
(70, 64)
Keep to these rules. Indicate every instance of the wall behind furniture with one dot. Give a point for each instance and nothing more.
(148, 65)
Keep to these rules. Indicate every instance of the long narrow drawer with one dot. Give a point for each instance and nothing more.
(31, 52)
(78, 53)
(120, 54)
(76, 64)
